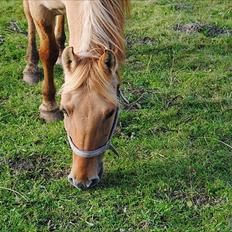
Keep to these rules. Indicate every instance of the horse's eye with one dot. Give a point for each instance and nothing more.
(64, 111)
(110, 114)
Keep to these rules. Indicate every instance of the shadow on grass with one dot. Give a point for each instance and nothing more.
(198, 176)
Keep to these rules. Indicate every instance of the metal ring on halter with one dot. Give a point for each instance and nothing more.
(100, 150)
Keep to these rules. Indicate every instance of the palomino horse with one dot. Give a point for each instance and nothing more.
(89, 96)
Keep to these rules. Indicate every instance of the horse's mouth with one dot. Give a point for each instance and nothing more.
(100, 174)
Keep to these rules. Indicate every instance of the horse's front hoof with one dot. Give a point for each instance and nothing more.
(51, 115)
(32, 78)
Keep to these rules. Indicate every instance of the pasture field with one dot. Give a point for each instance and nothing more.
(174, 172)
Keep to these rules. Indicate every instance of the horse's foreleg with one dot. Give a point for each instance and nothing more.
(60, 36)
(31, 72)
(48, 53)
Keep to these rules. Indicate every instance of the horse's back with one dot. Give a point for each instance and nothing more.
(57, 7)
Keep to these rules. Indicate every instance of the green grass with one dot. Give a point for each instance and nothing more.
(175, 168)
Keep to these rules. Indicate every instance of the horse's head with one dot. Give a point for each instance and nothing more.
(89, 102)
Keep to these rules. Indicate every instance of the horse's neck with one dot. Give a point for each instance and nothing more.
(74, 17)
(91, 27)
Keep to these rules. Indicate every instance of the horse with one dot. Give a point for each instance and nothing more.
(91, 64)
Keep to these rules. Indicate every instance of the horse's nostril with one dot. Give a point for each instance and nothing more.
(94, 181)
(70, 179)
(75, 183)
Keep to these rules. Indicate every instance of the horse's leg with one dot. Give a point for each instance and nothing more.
(60, 36)
(48, 53)
(31, 72)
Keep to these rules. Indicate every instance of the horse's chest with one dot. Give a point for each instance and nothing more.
(56, 6)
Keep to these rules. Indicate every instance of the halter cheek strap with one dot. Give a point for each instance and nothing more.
(100, 150)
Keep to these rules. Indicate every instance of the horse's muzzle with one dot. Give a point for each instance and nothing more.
(89, 183)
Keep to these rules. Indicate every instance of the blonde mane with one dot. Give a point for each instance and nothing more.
(91, 76)
(103, 24)
(102, 28)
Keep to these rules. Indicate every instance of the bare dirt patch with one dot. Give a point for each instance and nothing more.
(208, 29)
(182, 6)
(132, 41)
(172, 100)
(199, 198)
(161, 130)
(36, 166)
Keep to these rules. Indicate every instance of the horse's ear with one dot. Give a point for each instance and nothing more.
(108, 60)
(69, 59)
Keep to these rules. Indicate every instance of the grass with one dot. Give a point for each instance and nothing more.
(175, 166)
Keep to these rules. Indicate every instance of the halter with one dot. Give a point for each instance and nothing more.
(100, 150)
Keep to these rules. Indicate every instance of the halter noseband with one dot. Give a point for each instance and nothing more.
(100, 150)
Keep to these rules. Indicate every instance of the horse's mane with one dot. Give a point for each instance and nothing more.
(102, 28)
(103, 25)
(90, 76)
